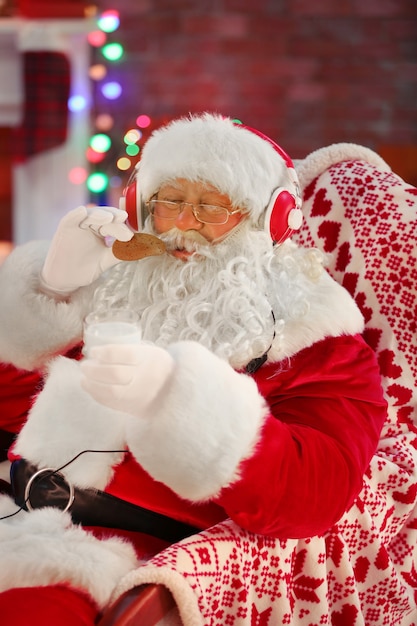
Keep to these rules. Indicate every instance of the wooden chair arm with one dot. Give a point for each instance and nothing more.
(145, 605)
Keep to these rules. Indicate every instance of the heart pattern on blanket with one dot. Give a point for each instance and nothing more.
(346, 616)
(386, 360)
(321, 205)
(329, 232)
(344, 257)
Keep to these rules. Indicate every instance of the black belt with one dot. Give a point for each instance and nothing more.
(34, 488)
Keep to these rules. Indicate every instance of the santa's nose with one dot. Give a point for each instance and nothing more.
(186, 219)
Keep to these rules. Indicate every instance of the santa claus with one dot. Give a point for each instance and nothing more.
(252, 395)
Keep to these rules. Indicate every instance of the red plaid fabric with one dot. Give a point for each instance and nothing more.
(47, 89)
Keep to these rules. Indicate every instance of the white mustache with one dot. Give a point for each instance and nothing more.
(177, 239)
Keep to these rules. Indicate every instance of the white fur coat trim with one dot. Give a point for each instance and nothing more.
(331, 312)
(64, 421)
(44, 547)
(33, 326)
(320, 160)
(193, 437)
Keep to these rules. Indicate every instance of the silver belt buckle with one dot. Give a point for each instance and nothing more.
(71, 494)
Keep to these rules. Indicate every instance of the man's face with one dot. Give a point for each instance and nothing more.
(194, 193)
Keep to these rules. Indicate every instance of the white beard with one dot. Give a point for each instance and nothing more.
(226, 296)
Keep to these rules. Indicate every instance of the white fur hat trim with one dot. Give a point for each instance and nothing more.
(214, 149)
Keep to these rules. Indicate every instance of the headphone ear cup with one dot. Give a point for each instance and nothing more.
(282, 216)
(129, 203)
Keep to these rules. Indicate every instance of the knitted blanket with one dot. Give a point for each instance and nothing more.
(363, 570)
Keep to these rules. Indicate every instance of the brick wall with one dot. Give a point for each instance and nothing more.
(306, 72)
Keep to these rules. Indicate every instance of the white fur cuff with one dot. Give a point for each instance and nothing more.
(207, 421)
(65, 421)
(34, 326)
(44, 548)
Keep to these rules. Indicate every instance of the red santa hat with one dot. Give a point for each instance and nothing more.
(252, 170)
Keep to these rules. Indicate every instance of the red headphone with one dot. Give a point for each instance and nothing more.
(283, 214)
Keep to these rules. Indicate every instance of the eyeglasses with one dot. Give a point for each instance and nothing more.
(204, 213)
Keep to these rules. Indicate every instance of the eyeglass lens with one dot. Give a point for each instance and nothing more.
(205, 213)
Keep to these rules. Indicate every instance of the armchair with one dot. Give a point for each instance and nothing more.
(363, 570)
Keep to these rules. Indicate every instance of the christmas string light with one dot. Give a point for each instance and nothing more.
(100, 143)
(112, 51)
(109, 21)
(109, 157)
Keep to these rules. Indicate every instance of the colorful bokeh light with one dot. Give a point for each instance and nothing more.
(109, 21)
(100, 142)
(143, 121)
(132, 136)
(112, 51)
(132, 149)
(97, 71)
(104, 121)
(96, 38)
(77, 103)
(77, 175)
(123, 163)
(93, 156)
(111, 90)
(97, 182)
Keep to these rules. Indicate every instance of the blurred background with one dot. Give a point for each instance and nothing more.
(83, 84)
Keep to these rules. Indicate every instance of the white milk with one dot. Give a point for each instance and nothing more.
(99, 332)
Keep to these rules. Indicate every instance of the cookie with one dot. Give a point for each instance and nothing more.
(140, 246)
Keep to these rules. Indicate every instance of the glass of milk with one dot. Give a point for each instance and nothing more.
(111, 326)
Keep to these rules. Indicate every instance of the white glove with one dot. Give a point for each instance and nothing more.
(126, 377)
(78, 254)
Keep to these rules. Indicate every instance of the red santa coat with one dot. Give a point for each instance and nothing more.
(285, 489)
